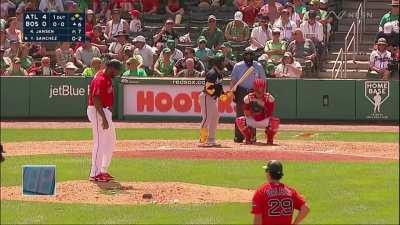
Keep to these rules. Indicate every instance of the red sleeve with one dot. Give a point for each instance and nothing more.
(258, 203)
(298, 200)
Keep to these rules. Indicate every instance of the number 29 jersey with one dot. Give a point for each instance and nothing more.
(276, 202)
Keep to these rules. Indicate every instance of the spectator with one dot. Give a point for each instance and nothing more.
(83, 5)
(239, 4)
(44, 69)
(314, 30)
(16, 69)
(116, 47)
(12, 33)
(302, 49)
(167, 32)
(71, 6)
(133, 68)
(126, 7)
(260, 34)
(327, 20)
(288, 68)
(299, 7)
(214, 35)
(271, 10)
(174, 8)
(181, 64)
(95, 66)
(164, 65)
(97, 38)
(37, 50)
(189, 71)
(293, 15)
(202, 52)
(230, 59)
(389, 25)
(90, 21)
(206, 4)
(64, 54)
(321, 15)
(85, 54)
(51, 6)
(275, 48)
(146, 52)
(116, 24)
(5, 62)
(250, 12)
(13, 50)
(150, 6)
(70, 69)
(135, 24)
(25, 58)
(379, 61)
(100, 8)
(176, 53)
(4, 7)
(237, 30)
(286, 26)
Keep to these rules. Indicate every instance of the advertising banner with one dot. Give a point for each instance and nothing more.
(168, 100)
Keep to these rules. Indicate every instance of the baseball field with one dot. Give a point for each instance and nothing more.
(349, 174)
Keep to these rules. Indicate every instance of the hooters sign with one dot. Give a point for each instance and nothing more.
(168, 100)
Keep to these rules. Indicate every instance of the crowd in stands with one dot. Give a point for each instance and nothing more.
(289, 37)
(384, 59)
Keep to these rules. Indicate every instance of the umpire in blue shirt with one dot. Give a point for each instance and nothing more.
(245, 87)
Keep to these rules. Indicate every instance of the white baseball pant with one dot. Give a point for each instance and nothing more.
(250, 122)
(103, 141)
(210, 114)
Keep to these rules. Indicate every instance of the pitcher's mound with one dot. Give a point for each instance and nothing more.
(133, 193)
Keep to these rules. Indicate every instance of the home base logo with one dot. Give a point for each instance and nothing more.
(377, 92)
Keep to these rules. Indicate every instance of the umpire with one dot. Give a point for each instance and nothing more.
(244, 88)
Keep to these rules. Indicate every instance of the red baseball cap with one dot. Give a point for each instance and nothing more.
(135, 13)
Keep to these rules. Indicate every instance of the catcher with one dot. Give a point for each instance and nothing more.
(258, 108)
(209, 101)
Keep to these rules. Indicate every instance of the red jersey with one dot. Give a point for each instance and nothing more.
(101, 86)
(249, 14)
(276, 202)
(259, 108)
(150, 4)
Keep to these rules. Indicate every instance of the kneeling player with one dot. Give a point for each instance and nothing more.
(258, 109)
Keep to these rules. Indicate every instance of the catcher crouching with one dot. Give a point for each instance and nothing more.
(258, 110)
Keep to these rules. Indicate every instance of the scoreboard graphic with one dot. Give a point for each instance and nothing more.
(54, 27)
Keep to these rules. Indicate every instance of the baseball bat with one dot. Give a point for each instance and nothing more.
(229, 93)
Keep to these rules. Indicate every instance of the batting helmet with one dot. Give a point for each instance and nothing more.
(260, 84)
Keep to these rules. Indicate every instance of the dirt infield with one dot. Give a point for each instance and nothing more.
(285, 150)
(297, 127)
(115, 193)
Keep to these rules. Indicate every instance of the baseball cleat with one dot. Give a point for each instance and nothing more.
(102, 178)
(109, 176)
(93, 178)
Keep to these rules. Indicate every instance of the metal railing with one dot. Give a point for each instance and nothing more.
(352, 41)
(340, 63)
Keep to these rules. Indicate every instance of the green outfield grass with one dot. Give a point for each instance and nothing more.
(18, 135)
(337, 192)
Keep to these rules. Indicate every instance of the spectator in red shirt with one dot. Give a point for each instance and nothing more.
(90, 21)
(274, 202)
(174, 8)
(150, 6)
(249, 12)
(97, 38)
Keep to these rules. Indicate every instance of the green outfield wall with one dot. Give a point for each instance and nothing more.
(178, 99)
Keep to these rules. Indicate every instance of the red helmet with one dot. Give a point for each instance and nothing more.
(260, 84)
